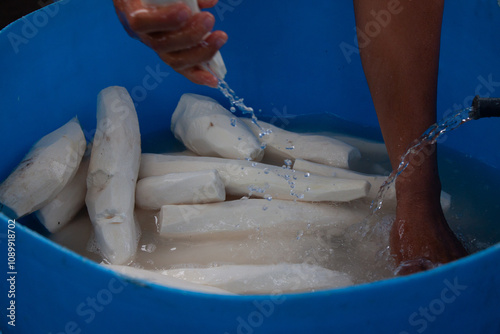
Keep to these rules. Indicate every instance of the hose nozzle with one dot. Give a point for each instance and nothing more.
(485, 107)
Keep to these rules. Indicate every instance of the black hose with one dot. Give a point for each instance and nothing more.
(485, 107)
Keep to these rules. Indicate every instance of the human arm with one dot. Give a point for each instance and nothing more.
(175, 34)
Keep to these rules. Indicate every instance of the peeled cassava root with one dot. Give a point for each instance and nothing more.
(242, 178)
(319, 169)
(283, 227)
(58, 212)
(249, 215)
(207, 128)
(281, 144)
(112, 175)
(180, 188)
(50, 164)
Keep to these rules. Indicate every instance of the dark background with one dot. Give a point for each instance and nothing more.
(11, 10)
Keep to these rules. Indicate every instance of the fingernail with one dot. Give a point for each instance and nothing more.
(219, 42)
(213, 82)
(208, 22)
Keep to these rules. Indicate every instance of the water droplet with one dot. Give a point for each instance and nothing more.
(300, 234)
(149, 248)
(157, 224)
(233, 121)
(266, 170)
(264, 208)
(234, 99)
(307, 174)
(253, 188)
(268, 197)
(174, 248)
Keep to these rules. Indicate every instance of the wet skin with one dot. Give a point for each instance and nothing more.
(176, 35)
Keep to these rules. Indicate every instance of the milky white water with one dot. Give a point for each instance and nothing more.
(362, 251)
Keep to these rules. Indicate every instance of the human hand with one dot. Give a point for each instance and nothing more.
(176, 35)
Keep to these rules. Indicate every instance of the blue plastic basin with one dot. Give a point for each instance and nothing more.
(285, 58)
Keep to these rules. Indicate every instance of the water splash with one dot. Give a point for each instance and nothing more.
(237, 102)
(233, 99)
(430, 136)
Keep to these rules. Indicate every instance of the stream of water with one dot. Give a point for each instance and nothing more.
(430, 136)
(237, 102)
